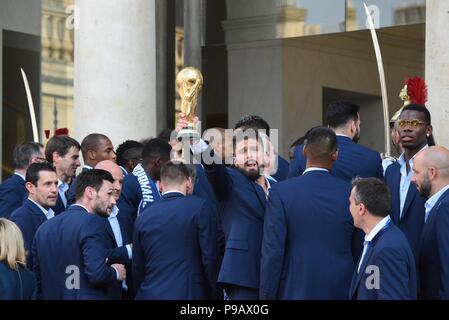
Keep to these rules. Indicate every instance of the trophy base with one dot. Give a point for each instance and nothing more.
(188, 134)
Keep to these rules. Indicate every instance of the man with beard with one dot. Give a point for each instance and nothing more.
(407, 206)
(95, 147)
(431, 177)
(354, 160)
(70, 261)
(63, 153)
(308, 231)
(241, 192)
(42, 186)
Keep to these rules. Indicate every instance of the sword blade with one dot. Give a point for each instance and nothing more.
(30, 106)
(383, 85)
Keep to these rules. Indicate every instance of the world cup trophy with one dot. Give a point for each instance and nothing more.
(189, 82)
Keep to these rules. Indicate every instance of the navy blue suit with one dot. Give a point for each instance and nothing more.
(242, 205)
(72, 241)
(412, 221)
(12, 195)
(354, 160)
(202, 187)
(390, 252)
(434, 252)
(175, 250)
(307, 242)
(115, 254)
(282, 170)
(131, 198)
(28, 218)
(16, 285)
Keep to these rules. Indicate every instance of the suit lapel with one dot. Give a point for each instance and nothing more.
(395, 193)
(260, 194)
(36, 211)
(358, 276)
(412, 193)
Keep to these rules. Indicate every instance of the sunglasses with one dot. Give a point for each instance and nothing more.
(415, 123)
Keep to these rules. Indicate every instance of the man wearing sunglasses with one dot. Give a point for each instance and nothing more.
(414, 125)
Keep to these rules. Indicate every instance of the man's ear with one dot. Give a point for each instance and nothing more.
(160, 186)
(304, 151)
(55, 157)
(30, 187)
(334, 155)
(89, 192)
(91, 154)
(429, 130)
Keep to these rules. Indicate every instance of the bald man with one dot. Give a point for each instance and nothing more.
(117, 236)
(431, 177)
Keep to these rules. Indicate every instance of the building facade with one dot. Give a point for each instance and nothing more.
(110, 66)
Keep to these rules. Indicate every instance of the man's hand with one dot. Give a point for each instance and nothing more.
(183, 123)
(121, 271)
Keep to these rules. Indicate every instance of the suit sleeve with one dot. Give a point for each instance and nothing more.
(394, 275)
(94, 256)
(9, 201)
(138, 262)
(379, 167)
(273, 247)
(207, 237)
(442, 236)
(118, 255)
(217, 174)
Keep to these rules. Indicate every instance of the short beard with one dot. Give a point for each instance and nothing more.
(425, 188)
(100, 211)
(253, 175)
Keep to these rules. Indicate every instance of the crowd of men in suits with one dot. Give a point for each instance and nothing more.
(141, 223)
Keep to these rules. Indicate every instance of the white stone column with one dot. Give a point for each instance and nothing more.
(115, 69)
(437, 67)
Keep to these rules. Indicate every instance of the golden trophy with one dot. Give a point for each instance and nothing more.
(189, 82)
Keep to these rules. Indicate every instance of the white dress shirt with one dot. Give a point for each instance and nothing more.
(405, 179)
(62, 188)
(369, 237)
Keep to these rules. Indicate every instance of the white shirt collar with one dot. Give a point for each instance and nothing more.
(342, 135)
(314, 169)
(48, 213)
(20, 175)
(80, 205)
(62, 184)
(379, 226)
(430, 203)
(401, 159)
(172, 191)
(114, 212)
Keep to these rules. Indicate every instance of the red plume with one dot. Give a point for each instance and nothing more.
(417, 90)
(62, 132)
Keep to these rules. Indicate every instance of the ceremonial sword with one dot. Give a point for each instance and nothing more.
(31, 107)
(383, 85)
